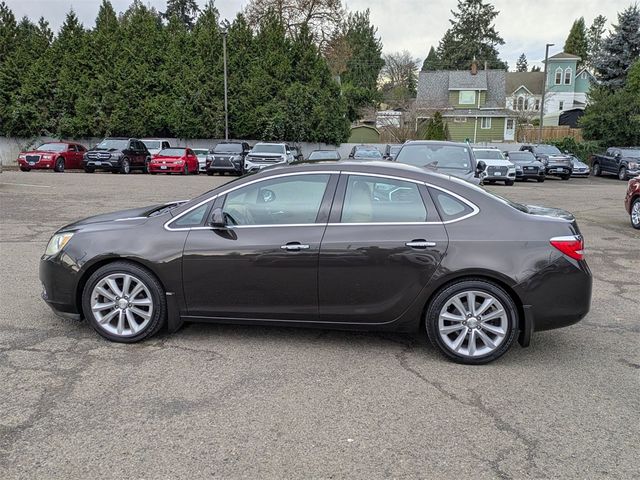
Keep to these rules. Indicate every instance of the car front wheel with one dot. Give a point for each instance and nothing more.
(124, 302)
(635, 213)
(125, 166)
(622, 174)
(596, 169)
(472, 321)
(59, 167)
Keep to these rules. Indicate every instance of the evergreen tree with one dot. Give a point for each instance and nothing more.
(186, 11)
(521, 64)
(612, 117)
(576, 43)
(364, 64)
(620, 49)
(436, 128)
(432, 62)
(536, 68)
(8, 29)
(472, 35)
(594, 39)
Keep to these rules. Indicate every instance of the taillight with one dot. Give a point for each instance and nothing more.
(571, 246)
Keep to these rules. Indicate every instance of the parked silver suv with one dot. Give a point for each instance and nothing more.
(267, 154)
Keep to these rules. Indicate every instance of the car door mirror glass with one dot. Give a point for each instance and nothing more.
(267, 196)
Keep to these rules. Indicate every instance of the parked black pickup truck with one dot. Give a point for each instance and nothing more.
(555, 162)
(623, 162)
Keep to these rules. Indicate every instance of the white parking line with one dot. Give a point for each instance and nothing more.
(26, 185)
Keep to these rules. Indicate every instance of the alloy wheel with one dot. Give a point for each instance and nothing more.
(473, 323)
(121, 304)
(622, 174)
(635, 214)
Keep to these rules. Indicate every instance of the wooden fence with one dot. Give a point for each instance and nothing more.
(530, 134)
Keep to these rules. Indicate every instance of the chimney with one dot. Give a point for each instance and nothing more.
(474, 67)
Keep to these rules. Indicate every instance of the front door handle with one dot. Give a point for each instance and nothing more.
(294, 247)
(421, 244)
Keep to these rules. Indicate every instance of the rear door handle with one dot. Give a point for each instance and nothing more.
(294, 247)
(421, 244)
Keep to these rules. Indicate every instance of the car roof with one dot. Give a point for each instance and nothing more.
(436, 142)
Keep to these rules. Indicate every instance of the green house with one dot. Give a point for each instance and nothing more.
(472, 103)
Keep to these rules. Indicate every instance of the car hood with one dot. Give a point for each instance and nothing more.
(167, 159)
(274, 155)
(40, 152)
(494, 162)
(528, 163)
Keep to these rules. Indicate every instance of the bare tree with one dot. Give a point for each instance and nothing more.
(399, 77)
(322, 17)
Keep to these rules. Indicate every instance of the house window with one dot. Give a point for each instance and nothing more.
(460, 120)
(485, 123)
(561, 105)
(536, 105)
(558, 76)
(584, 75)
(520, 103)
(526, 104)
(567, 76)
(467, 97)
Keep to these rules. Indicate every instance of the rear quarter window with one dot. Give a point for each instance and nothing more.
(449, 207)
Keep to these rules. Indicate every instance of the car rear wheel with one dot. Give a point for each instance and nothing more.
(509, 183)
(540, 180)
(472, 321)
(596, 169)
(210, 174)
(125, 166)
(565, 177)
(124, 302)
(59, 167)
(25, 169)
(635, 213)
(622, 173)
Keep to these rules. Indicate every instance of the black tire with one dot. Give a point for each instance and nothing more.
(509, 183)
(89, 170)
(25, 169)
(152, 173)
(197, 171)
(540, 180)
(622, 173)
(565, 177)
(125, 166)
(597, 171)
(210, 174)
(477, 285)
(59, 167)
(490, 182)
(145, 169)
(635, 205)
(186, 170)
(159, 314)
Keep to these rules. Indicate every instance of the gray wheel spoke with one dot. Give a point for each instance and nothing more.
(105, 293)
(485, 339)
(458, 342)
(126, 284)
(114, 287)
(493, 329)
(459, 306)
(451, 317)
(483, 308)
(131, 321)
(493, 315)
(109, 316)
(471, 303)
(136, 290)
(452, 328)
(472, 342)
(103, 306)
(141, 302)
(120, 322)
(141, 313)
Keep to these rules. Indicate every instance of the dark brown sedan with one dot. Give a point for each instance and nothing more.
(344, 245)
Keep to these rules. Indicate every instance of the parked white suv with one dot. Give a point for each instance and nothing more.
(497, 168)
(154, 145)
(267, 154)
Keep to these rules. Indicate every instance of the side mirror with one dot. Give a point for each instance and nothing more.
(267, 195)
(617, 156)
(480, 167)
(217, 219)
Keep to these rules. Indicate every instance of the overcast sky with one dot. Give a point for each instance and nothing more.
(413, 25)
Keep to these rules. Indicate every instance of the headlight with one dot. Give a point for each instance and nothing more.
(22, 156)
(57, 243)
(46, 157)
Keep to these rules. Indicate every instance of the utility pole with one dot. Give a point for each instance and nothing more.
(226, 107)
(544, 91)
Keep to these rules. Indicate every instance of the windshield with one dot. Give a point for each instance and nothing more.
(521, 156)
(548, 150)
(268, 148)
(454, 157)
(488, 154)
(171, 152)
(324, 155)
(631, 153)
(52, 147)
(111, 144)
(228, 148)
(152, 144)
(394, 150)
(367, 154)
(200, 151)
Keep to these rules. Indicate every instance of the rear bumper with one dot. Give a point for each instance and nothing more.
(557, 296)
(167, 168)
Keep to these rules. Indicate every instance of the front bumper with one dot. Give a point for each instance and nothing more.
(101, 164)
(165, 168)
(36, 165)
(522, 175)
(632, 173)
(558, 170)
(577, 173)
(500, 178)
(59, 285)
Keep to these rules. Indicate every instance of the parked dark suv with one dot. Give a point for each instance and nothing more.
(227, 157)
(623, 162)
(117, 154)
(555, 162)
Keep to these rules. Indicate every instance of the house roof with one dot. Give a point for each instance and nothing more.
(464, 80)
(434, 86)
(564, 56)
(532, 81)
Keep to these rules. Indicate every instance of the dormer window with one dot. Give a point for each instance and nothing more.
(467, 97)
(567, 76)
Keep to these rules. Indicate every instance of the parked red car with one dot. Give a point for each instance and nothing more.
(632, 201)
(53, 155)
(174, 160)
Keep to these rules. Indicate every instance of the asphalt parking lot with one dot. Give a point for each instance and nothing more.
(242, 402)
